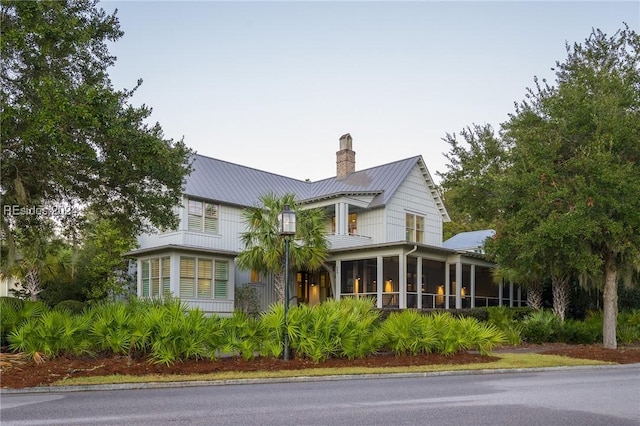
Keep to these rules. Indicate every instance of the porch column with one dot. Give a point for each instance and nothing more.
(379, 281)
(338, 279)
(473, 286)
(419, 282)
(500, 292)
(511, 294)
(447, 284)
(402, 277)
(458, 285)
(342, 219)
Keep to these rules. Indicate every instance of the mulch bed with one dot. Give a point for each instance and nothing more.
(18, 372)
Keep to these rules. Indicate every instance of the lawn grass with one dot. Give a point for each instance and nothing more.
(506, 361)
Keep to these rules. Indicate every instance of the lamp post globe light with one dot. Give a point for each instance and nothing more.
(286, 228)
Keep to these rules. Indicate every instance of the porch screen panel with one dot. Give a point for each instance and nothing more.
(187, 277)
(204, 278)
(145, 278)
(222, 279)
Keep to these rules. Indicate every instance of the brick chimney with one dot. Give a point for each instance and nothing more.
(345, 158)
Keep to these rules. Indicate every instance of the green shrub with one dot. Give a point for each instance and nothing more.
(52, 334)
(247, 300)
(481, 314)
(15, 312)
(409, 332)
(628, 329)
(348, 328)
(72, 306)
(578, 332)
(540, 327)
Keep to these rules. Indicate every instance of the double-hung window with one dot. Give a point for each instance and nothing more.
(414, 228)
(203, 217)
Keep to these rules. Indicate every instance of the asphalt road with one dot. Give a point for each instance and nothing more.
(593, 396)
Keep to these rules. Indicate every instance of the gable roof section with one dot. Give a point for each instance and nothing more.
(234, 184)
(240, 185)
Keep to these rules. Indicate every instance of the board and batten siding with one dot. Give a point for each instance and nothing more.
(371, 224)
(230, 226)
(413, 196)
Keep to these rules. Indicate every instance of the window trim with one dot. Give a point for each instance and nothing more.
(413, 231)
(213, 278)
(202, 216)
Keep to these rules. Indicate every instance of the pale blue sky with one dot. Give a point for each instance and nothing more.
(274, 85)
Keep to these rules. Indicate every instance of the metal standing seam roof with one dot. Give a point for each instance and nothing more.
(468, 240)
(240, 185)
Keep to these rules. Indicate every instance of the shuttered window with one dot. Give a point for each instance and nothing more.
(187, 277)
(165, 276)
(156, 277)
(202, 217)
(204, 278)
(222, 279)
(145, 278)
(198, 280)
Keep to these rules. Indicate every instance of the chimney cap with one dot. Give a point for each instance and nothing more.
(346, 136)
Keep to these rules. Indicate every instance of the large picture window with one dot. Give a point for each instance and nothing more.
(156, 278)
(202, 278)
(203, 217)
(415, 228)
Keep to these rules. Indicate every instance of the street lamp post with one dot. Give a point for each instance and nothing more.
(286, 228)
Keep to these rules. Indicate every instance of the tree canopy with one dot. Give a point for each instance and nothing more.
(567, 202)
(69, 139)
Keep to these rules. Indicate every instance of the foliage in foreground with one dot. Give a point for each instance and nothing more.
(167, 331)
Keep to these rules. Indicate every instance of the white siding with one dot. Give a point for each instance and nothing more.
(413, 196)
(230, 225)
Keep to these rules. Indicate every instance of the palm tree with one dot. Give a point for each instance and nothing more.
(264, 246)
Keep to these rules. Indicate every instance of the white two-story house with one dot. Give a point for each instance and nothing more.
(384, 228)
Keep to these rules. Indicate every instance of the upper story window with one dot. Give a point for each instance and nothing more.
(352, 224)
(415, 228)
(203, 217)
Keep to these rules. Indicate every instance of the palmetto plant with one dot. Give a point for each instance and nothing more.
(15, 312)
(409, 332)
(480, 336)
(244, 335)
(264, 246)
(53, 333)
(176, 333)
(112, 326)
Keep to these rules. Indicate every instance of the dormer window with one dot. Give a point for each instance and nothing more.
(203, 217)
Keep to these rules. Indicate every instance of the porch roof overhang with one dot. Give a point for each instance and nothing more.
(181, 248)
(422, 249)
